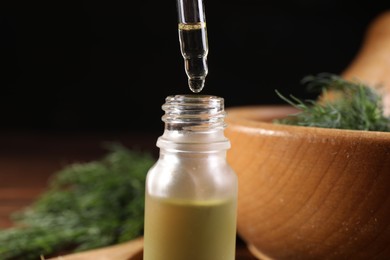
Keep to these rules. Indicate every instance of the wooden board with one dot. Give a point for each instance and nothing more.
(131, 250)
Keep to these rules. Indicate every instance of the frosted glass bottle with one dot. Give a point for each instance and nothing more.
(191, 191)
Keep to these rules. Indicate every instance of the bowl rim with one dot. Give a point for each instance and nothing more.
(249, 118)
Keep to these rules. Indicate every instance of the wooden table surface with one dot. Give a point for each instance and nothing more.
(27, 161)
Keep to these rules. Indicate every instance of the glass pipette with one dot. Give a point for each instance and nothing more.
(193, 41)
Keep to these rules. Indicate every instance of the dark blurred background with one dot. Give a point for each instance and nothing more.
(107, 66)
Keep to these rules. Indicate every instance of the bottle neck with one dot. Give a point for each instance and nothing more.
(194, 113)
(194, 123)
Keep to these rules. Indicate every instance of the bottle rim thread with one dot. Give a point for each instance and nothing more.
(194, 112)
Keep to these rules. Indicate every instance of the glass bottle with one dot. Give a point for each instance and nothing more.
(191, 191)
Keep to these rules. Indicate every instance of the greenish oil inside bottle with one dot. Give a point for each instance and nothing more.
(190, 230)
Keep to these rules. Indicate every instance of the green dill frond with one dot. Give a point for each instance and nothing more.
(87, 205)
(355, 106)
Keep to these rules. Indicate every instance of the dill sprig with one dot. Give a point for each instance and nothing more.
(354, 105)
(87, 205)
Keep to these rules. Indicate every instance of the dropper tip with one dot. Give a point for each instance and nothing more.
(196, 85)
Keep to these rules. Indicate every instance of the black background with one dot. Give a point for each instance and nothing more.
(107, 66)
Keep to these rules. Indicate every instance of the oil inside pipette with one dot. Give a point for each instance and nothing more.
(194, 48)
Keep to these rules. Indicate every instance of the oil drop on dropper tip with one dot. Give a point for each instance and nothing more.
(196, 85)
(193, 41)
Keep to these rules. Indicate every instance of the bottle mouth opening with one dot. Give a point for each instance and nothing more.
(194, 112)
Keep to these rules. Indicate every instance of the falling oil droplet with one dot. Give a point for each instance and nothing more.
(196, 85)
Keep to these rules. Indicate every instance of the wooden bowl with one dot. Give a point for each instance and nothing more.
(312, 193)
(309, 193)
